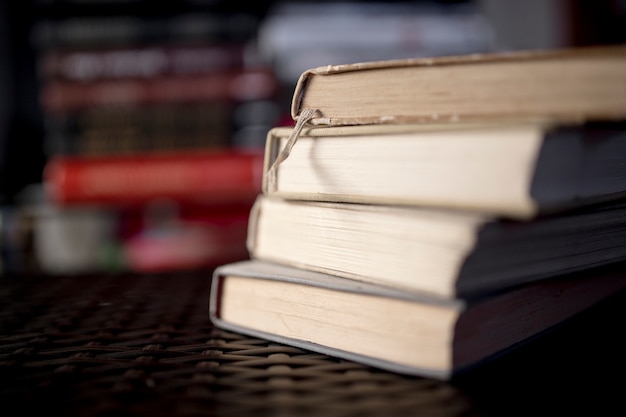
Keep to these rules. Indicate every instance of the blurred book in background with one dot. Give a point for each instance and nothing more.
(155, 116)
(210, 178)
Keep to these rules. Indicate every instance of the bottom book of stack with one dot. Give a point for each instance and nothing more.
(398, 330)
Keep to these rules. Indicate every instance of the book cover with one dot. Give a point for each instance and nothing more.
(516, 169)
(116, 62)
(576, 84)
(118, 28)
(128, 129)
(237, 85)
(220, 176)
(178, 237)
(400, 331)
(449, 253)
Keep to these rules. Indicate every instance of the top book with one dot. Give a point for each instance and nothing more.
(570, 84)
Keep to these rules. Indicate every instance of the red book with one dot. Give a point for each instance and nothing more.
(224, 176)
(183, 238)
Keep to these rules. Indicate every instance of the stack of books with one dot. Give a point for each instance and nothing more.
(427, 215)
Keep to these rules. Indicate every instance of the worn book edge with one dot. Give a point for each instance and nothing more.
(267, 270)
(274, 156)
(536, 205)
(271, 271)
(441, 61)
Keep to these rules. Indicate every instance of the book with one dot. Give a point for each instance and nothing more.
(177, 237)
(211, 177)
(446, 253)
(400, 331)
(118, 130)
(118, 28)
(115, 62)
(517, 169)
(235, 85)
(569, 84)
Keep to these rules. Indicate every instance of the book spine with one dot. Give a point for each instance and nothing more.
(219, 177)
(59, 96)
(141, 62)
(110, 142)
(78, 31)
(105, 130)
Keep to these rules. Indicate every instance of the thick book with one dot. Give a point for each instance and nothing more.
(401, 331)
(447, 253)
(585, 83)
(212, 177)
(515, 169)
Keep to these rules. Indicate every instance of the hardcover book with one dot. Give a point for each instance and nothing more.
(516, 169)
(401, 331)
(127, 130)
(187, 239)
(234, 85)
(117, 28)
(575, 84)
(447, 253)
(212, 177)
(161, 59)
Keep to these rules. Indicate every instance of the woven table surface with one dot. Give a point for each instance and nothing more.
(129, 345)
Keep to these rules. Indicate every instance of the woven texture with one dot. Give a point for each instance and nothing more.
(143, 345)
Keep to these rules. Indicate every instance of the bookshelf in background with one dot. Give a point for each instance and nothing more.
(115, 75)
(156, 104)
(34, 26)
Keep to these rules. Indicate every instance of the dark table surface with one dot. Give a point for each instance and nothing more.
(129, 345)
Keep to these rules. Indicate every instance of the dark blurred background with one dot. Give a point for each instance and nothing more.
(286, 37)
